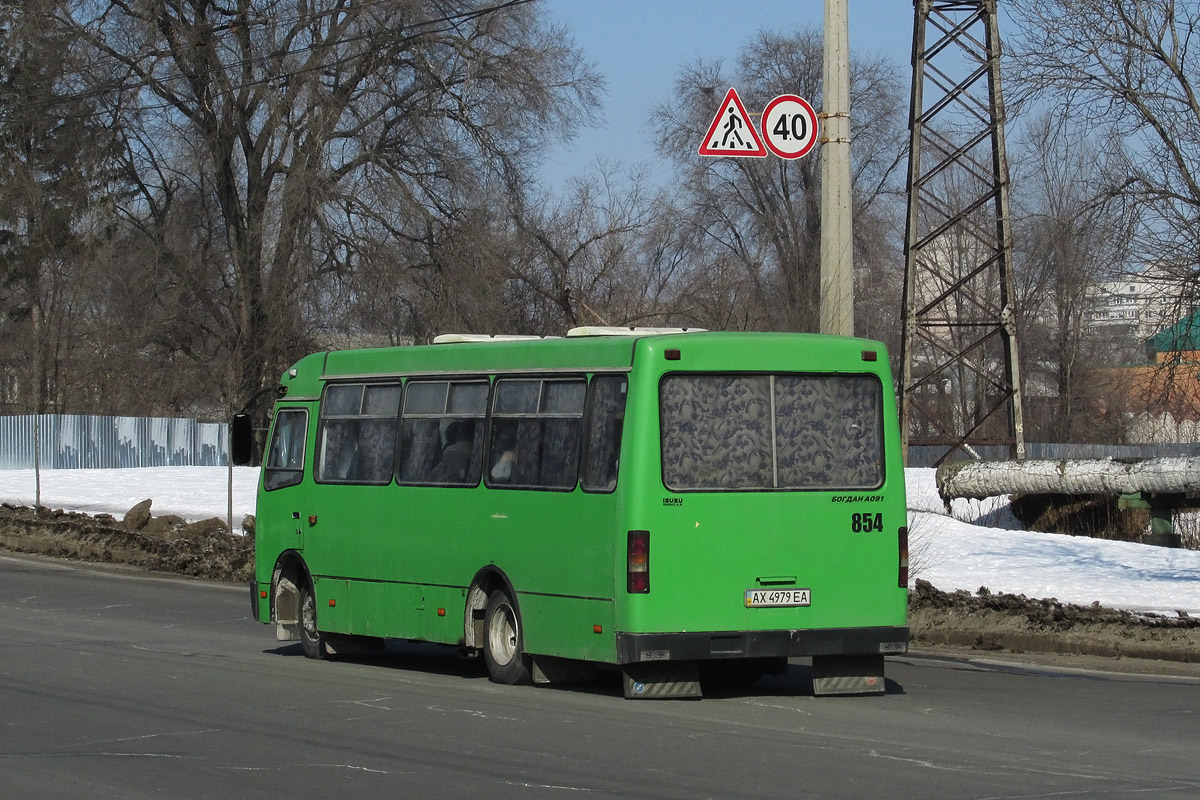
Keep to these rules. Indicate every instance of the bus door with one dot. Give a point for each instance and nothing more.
(282, 506)
(349, 504)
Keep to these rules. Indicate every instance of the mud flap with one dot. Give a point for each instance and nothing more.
(661, 680)
(550, 669)
(287, 611)
(847, 675)
(287, 631)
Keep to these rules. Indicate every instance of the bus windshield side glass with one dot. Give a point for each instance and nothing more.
(753, 432)
(285, 460)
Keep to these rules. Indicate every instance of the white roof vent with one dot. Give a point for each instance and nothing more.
(458, 338)
(607, 330)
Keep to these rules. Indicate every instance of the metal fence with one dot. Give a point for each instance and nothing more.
(76, 441)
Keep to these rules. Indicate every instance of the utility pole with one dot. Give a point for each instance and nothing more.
(837, 242)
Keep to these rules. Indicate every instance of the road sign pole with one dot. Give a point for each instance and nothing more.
(837, 243)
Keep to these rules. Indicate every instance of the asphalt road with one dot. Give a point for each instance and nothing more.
(119, 685)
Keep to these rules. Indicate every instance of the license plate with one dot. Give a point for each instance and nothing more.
(777, 598)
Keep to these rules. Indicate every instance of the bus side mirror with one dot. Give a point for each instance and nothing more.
(241, 440)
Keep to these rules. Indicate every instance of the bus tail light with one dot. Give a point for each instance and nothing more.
(638, 564)
(902, 579)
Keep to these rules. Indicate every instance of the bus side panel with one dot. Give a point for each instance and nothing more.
(568, 627)
(361, 538)
(411, 611)
(549, 545)
(413, 551)
(334, 609)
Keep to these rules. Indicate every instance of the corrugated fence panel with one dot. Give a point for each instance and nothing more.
(16, 442)
(76, 441)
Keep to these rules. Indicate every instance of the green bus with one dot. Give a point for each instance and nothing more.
(674, 503)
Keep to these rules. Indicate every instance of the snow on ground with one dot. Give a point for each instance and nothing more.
(194, 493)
(978, 546)
(988, 550)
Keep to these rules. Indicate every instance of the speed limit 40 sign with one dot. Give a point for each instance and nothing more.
(789, 126)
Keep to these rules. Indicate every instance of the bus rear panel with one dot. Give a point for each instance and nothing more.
(777, 527)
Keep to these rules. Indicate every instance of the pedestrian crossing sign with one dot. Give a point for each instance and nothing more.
(732, 133)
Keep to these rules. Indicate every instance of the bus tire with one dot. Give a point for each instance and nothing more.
(504, 641)
(311, 638)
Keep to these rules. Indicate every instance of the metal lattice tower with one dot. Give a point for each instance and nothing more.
(960, 383)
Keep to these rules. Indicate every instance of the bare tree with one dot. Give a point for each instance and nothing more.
(52, 191)
(586, 254)
(451, 276)
(323, 131)
(156, 330)
(879, 270)
(1126, 72)
(1077, 235)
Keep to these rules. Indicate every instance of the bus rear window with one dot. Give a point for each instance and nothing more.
(765, 432)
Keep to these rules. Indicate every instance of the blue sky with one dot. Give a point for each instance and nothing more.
(640, 45)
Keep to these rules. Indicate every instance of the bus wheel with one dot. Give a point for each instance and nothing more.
(311, 638)
(503, 641)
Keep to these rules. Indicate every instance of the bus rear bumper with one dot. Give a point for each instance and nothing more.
(635, 648)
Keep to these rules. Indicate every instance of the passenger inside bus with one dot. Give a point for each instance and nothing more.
(339, 447)
(455, 463)
(504, 451)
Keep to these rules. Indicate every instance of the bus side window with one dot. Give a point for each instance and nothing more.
(357, 439)
(376, 449)
(536, 433)
(442, 432)
(503, 450)
(602, 445)
(560, 452)
(377, 434)
(285, 456)
(420, 443)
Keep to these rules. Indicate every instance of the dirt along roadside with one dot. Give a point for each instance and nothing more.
(981, 622)
(985, 621)
(167, 544)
